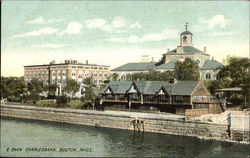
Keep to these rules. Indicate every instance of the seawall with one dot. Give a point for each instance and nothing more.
(157, 123)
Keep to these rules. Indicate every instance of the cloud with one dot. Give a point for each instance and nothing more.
(73, 28)
(101, 24)
(209, 24)
(118, 22)
(216, 34)
(48, 46)
(135, 25)
(41, 20)
(152, 37)
(40, 32)
(95, 23)
(217, 20)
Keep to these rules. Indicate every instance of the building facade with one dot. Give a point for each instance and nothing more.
(57, 73)
(208, 67)
(169, 97)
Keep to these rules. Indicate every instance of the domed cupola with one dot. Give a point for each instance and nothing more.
(186, 37)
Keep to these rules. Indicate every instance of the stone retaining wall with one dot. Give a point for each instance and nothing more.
(102, 119)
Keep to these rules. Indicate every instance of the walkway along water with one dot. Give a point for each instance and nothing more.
(157, 123)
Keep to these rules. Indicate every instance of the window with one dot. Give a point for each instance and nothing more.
(73, 74)
(105, 75)
(64, 73)
(95, 74)
(58, 73)
(178, 98)
(208, 76)
(95, 81)
(135, 96)
(100, 75)
(79, 75)
(53, 74)
(163, 97)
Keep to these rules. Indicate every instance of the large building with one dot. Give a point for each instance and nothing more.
(173, 97)
(208, 67)
(57, 73)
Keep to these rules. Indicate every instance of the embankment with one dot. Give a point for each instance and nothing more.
(157, 123)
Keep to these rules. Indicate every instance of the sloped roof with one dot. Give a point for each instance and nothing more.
(151, 87)
(118, 87)
(169, 65)
(187, 50)
(139, 66)
(186, 33)
(211, 65)
(184, 87)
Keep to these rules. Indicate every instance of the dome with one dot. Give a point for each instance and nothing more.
(186, 33)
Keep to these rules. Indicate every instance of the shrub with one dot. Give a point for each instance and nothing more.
(75, 104)
(62, 101)
(45, 103)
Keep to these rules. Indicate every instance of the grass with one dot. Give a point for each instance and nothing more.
(75, 104)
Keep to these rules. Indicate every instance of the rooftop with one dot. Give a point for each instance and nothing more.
(139, 66)
(187, 50)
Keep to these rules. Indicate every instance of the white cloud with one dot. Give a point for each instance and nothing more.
(73, 28)
(165, 34)
(135, 25)
(118, 22)
(101, 24)
(42, 31)
(209, 24)
(95, 23)
(41, 20)
(218, 20)
(48, 46)
(215, 34)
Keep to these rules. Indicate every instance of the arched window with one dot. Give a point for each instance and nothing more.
(208, 76)
(123, 77)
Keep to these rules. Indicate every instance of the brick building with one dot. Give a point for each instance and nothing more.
(55, 73)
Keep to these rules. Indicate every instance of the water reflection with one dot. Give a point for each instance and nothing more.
(109, 142)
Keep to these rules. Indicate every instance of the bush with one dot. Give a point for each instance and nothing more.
(62, 101)
(75, 104)
(45, 103)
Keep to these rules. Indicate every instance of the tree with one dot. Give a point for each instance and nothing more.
(52, 89)
(13, 88)
(236, 70)
(90, 96)
(35, 87)
(71, 86)
(151, 76)
(234, 74)
(187, 70)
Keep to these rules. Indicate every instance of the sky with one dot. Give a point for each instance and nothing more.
(116, 32)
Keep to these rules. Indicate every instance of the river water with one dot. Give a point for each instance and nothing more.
(21, 137)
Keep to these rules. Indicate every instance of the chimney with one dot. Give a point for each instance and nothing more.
(173, 80)
(87, 62)
(152, 59)
(205, 49)
(53, 62)
(168, 50)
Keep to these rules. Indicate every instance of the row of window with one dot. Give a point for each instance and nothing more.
(37, 75)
